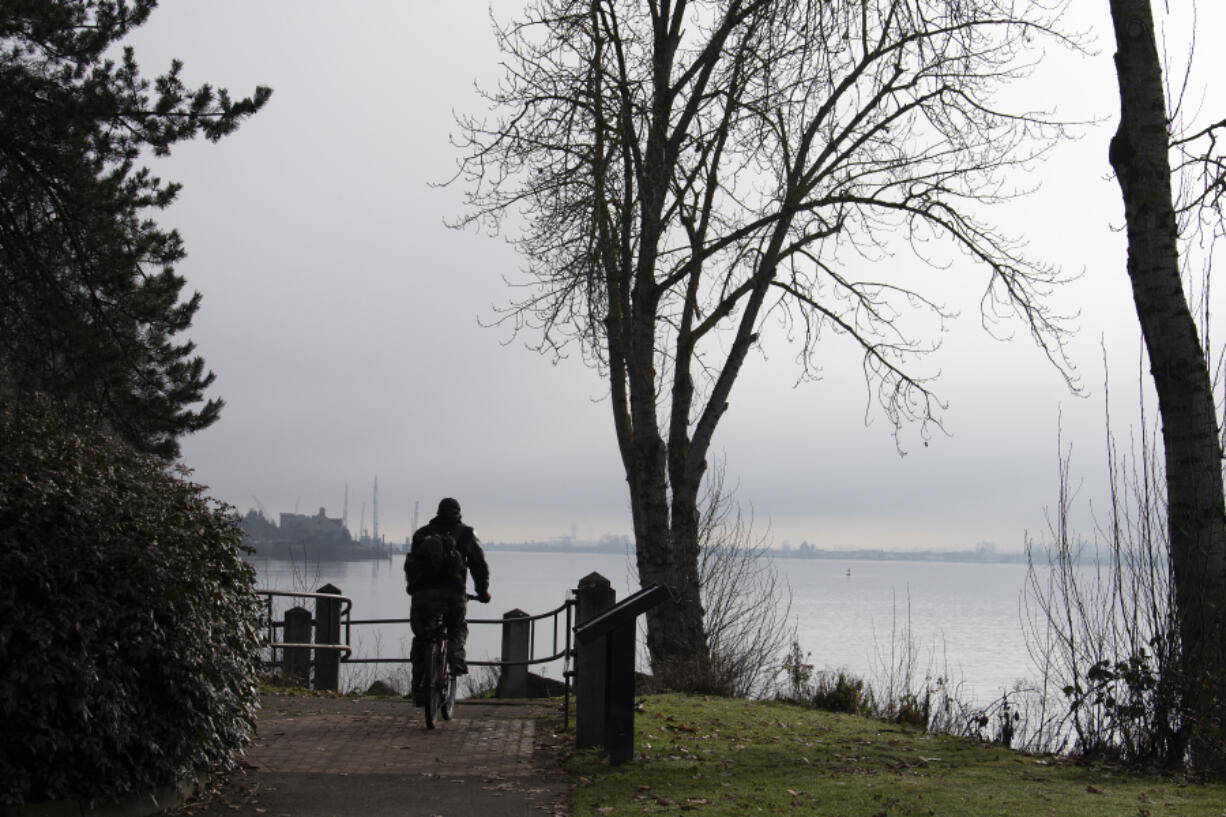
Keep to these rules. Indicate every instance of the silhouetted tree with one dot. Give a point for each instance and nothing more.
(685, 170)
(90, 308)
(1196, 513)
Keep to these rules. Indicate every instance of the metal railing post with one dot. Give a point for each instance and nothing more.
(328, 631)
(594, 596)
(296, 661)
(516, 637)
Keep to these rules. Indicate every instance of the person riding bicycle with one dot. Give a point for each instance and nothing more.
(436, 575)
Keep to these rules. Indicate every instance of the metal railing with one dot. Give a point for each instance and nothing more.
(273, 625)
(564, 653)
(561, 645)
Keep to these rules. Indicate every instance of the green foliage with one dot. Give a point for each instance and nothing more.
(797, 670)
(912, 711)
(129, 626)
(838, 692)
(999, 722)
(721, 756)
(90, 305)
(829, 691)
(1133, 701)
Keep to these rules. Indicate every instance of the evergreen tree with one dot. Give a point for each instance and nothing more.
(90, 306)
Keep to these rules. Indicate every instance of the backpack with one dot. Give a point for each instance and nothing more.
(437, 559)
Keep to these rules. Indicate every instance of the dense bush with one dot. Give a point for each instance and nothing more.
(912, 710)
(838, 692)
(128, 622)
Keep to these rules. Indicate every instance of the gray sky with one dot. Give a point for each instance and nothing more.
(343, 318)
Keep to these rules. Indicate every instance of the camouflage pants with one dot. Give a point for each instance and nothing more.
(426, 604)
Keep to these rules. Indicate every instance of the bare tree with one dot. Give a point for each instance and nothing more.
(687, 171)
(746, 604)
(1098, 616)
(1196, 513)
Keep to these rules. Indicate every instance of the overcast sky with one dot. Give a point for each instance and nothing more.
(344, 319)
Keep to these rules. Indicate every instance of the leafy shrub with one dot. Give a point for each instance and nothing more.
(797, 671)
(912, 710)
(838, 692)
(129, 629)
(1134, 701)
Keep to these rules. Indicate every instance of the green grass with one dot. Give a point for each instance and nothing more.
(295, 691)
(715, 756)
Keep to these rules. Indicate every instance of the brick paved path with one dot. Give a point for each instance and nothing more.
(394, 744)
(346, 757)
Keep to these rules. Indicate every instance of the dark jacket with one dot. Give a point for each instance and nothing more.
(470, 551)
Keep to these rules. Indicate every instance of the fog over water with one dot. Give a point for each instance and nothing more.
(963, 619)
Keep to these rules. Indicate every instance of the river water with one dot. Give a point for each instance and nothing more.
(963, 618)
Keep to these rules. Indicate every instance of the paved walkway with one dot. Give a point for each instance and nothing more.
(330, 757)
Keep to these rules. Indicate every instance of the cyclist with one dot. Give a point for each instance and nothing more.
(434, 590)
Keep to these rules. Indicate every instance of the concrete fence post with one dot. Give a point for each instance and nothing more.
(296, 661)
(516, 638)
(328, 631)
(594, 596)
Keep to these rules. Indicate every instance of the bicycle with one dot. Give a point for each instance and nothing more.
(439, 681)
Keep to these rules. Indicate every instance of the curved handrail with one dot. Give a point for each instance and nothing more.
(556, 611)
(346, 602)
(344, 649)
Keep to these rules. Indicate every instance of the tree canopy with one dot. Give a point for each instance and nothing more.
(690, 172)
(91, 309)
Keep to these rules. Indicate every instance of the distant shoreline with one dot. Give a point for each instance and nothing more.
(964, 556)
(299, 551)
(866, 555)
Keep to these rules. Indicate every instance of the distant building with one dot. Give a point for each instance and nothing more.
(319, 529)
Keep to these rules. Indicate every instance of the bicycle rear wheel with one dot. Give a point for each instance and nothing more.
(447, 700)
(435, 674)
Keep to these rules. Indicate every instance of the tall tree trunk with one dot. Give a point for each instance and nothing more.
(675, 636)
(1197, 517)
(665, 526)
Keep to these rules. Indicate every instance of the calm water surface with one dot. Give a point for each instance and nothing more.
(964, 618)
